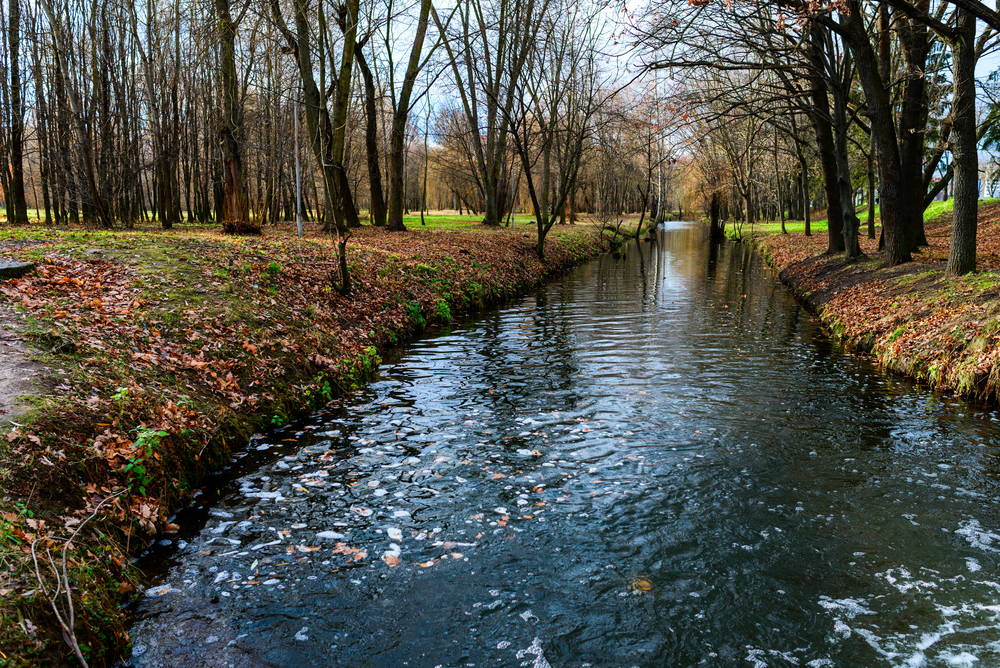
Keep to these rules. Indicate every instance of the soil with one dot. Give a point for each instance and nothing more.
(19, 376)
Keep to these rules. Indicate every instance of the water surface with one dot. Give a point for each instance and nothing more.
(656, 461)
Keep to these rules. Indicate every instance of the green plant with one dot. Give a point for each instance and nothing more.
(323, 387)
(23, 510)
(136, 469)
(273, 268)
(416, 313)
(120, 397)
(363, 368)
(370, 359)
(443, 311)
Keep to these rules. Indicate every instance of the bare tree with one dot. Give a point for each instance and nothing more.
(556, 92)
(327, 128)
(235, 220)
(73, 96)
(402, 103)
(487, 51)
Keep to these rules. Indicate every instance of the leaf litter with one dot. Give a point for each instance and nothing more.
(916, 321)
(189, 337)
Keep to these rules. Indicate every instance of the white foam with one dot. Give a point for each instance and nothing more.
(754, 657)
(849, 606)
(964, 659)
(977, 536)
(536, 649)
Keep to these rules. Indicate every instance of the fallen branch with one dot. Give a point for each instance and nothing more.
(67, 617)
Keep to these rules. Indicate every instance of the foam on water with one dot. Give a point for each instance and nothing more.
(965, 630)
(978, 537)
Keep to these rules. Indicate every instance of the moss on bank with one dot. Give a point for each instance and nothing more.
(164, 350)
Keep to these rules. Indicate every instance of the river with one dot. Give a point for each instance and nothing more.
(654, 461)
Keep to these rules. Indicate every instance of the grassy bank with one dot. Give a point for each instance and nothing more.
(912, 318)
(158, 351)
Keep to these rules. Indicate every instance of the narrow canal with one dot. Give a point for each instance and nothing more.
(656, 461)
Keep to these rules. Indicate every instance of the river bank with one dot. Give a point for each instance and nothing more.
(653, 454)
(153, 353)
(911, 318)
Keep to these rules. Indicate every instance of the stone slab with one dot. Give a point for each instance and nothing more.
(15, 269)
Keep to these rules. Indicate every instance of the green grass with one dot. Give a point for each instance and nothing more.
(936, 209)
(438, 221)
(792, 226)
(452, 222)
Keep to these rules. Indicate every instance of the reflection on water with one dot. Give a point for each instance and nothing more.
(659, 461)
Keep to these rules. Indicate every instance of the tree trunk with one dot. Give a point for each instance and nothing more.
(962, 254)
(377, 209)
(326, 134)
(400, 115)
(849, 229)
(43, 134)
(235, 219)
(894, 207)
(871, 188)
(825, 142)
(715, 230)
(423, 193)
(16, 116)
(913, 124)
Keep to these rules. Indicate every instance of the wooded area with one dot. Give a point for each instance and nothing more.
(165, 323)
(164, 113)
(856, 102)
(184, 112)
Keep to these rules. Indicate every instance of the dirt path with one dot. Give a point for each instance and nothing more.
(18, 374)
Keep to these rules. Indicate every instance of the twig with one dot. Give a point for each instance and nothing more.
(68, 621)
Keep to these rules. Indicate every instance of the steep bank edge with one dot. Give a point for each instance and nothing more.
(98, 570)
(912, 319)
